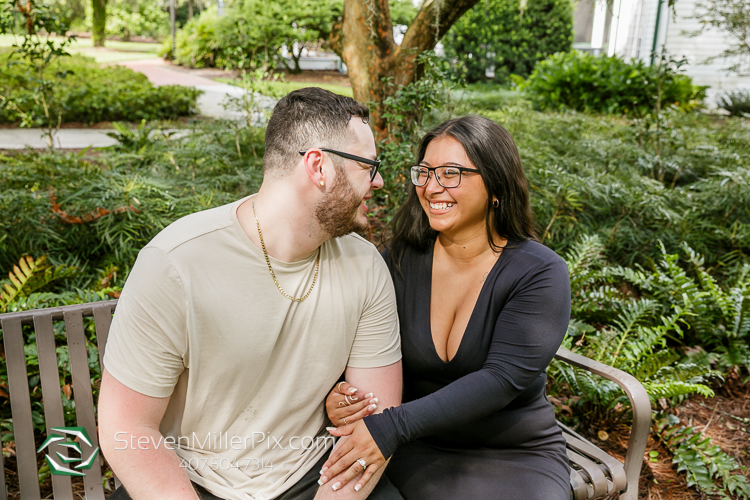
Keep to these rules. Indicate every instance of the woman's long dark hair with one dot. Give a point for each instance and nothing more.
(493, 152)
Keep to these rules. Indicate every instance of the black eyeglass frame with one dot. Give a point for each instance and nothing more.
(348, 156)
(437, 178)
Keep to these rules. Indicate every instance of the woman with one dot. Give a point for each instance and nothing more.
(483, 307)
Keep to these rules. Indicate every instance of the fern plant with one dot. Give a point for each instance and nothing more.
(707, 467)
(634, 336)
(27, 277)
(720, 322)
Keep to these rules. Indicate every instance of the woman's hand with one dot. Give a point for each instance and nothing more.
(345, 406)
(346, 458)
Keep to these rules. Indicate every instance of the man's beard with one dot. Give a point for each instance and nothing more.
(337, 211)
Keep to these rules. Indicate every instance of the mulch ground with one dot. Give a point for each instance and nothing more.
(718, 418)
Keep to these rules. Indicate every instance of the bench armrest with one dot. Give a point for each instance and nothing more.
(640, 404)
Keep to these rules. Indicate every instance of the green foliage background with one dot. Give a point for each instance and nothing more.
(252, 32)
(652, 215)
(499, 34)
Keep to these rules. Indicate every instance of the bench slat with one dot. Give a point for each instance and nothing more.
(53, 408)
(579, 491)
(615, 468)
(20, 403)
(83, 396)
(599, 482)
(3, 492)
(102, 320)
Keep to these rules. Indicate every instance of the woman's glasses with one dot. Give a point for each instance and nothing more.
(447, 176)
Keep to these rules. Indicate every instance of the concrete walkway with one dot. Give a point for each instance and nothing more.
(159, 73)
(66, 138)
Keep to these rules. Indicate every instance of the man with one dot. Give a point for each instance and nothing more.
(236, 322)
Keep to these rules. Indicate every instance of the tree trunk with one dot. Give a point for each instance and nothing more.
(99, 24)
(377, 66)
(190, 9)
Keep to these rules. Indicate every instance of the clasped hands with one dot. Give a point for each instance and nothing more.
(346, 408)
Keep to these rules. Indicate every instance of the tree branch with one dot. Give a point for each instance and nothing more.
(433, 21)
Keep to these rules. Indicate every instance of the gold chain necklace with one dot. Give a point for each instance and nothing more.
(270, 269)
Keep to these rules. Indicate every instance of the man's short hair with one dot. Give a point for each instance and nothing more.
(308, 118)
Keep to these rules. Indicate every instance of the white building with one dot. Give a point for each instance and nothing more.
(629, 29)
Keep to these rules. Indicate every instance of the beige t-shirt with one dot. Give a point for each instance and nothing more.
(248, 370)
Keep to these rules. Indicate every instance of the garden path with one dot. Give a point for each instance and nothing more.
(214, 93)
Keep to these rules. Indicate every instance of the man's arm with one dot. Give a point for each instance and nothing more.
(135, 449)
(386, 384)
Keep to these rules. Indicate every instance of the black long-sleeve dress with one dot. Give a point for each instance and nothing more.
(480, 426)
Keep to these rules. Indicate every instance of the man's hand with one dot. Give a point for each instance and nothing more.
(135, 449)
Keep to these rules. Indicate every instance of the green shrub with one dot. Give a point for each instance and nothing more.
(737, 102)
(499, 36)
(87, 93)
(585, 82)
(196, 45)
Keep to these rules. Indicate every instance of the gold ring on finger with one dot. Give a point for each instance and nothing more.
(349, 402)
(338, 386)
(345, 421)
(341, 403)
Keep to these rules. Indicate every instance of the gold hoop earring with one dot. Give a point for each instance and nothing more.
(496, 203)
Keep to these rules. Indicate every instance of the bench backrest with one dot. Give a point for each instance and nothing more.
(42, 321)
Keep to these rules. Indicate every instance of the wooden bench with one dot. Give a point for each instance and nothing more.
(595, 474)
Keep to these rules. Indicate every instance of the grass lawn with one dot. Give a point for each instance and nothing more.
(113, 52)
(284, 88)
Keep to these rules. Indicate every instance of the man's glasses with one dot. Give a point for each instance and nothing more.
(374, 164)
(447, 176)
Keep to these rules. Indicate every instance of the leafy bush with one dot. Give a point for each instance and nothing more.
(584, 82)
(737, 102)
(87, 93)
(92, 213)
(500, 36)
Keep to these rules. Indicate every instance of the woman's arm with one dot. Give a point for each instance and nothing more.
(527, 333)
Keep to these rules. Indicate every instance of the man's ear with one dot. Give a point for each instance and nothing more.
(313, 164)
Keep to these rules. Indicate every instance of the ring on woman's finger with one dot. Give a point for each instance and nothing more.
(341, 403)
(361, 461)
(349, 400)
(338, 386)
(345, 421)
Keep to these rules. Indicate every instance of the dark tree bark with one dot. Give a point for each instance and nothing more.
(99, 22)
(364, 40)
